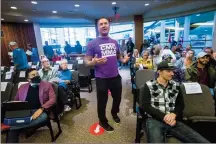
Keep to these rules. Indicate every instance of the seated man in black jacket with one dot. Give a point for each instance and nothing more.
(163, 102)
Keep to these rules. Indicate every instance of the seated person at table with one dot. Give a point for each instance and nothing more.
(40, 95)
(144, 61)
(47, 73)
(56, 57)
(163, 102)
(65, 77)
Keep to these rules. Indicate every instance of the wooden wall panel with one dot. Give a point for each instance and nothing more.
(22, 33)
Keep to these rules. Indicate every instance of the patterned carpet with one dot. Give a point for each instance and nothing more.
(76, 123)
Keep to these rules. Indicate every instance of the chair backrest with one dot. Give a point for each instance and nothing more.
(6, 88)
(198, 104)
(8, 77)
(75, 75)
(20, 77)
(83, 70)
(142, 76)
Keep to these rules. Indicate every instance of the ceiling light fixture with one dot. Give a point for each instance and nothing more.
(33, 2)
(2, 19)
(26, 20)
(13, 7)
(113, 3)
(146, 4)
(54, 11)
(206, 30)
(76, 5)
(198, 15)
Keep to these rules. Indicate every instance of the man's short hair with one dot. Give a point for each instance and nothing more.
(209, 48)
(63, 60)
(102, 18)
(12, 43)
(28, 71)
(192, 51)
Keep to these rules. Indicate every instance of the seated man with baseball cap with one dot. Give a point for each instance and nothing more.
(163, 102)
(202, 71)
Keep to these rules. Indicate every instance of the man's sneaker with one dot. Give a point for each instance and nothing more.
(67, 108)
(106, 126)
(116, 118)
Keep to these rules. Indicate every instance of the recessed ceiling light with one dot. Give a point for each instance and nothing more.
(25, 20)
(2, 19)
(54, 11)
(33, 2)
(113, 3)
(206, 30)
(76, 5)
(198, 15)
(146, 4)
(13, 7)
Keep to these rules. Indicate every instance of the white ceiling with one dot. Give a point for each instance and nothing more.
(91, 10)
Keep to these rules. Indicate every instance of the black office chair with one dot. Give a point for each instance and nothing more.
(8, 77)
(20, 76)
(84, 76)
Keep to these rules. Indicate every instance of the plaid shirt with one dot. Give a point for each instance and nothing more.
(163, 98)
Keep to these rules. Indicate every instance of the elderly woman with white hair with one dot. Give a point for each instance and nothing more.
(65, 76)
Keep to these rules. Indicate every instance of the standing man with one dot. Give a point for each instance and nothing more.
(48, 51)
(19, 57)
(34, 56)
(103, 53)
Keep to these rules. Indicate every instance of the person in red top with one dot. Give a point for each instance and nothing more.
(56, 57)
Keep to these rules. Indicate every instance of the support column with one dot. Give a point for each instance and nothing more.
(162, 33)
(138, 31)
(96, 28)
(176, 31)
(38, 38)
(186, 30)
(214, 33)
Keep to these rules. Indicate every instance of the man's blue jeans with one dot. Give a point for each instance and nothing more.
(13, 134)
(157, 130)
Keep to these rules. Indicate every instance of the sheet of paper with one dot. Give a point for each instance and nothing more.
(3, 86)
(56, 66)
(34, 66)
(8, 75)
(192, 88)
(30, 63)
(12, 69)
(21, 83)
(10, 54)
(22, 74)
(58, 62)
(70, 66)
(80, 61)
(28, 52)
(2, 68)
(140, 66)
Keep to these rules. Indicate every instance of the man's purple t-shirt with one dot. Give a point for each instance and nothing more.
(104, 47)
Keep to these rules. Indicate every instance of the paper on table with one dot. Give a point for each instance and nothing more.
(21, 83)
(58, 62)
(34, 66)
(28, 52)
(22, 74)
(30, 63)
(80, 61)
(12, 69)
(70, 66)
(8, 75)
(140, 66)
(3, 86)
(192, 88)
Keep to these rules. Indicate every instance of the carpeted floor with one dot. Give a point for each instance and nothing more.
(76, 123)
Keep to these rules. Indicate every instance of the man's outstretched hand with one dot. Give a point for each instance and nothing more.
(97, 60)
